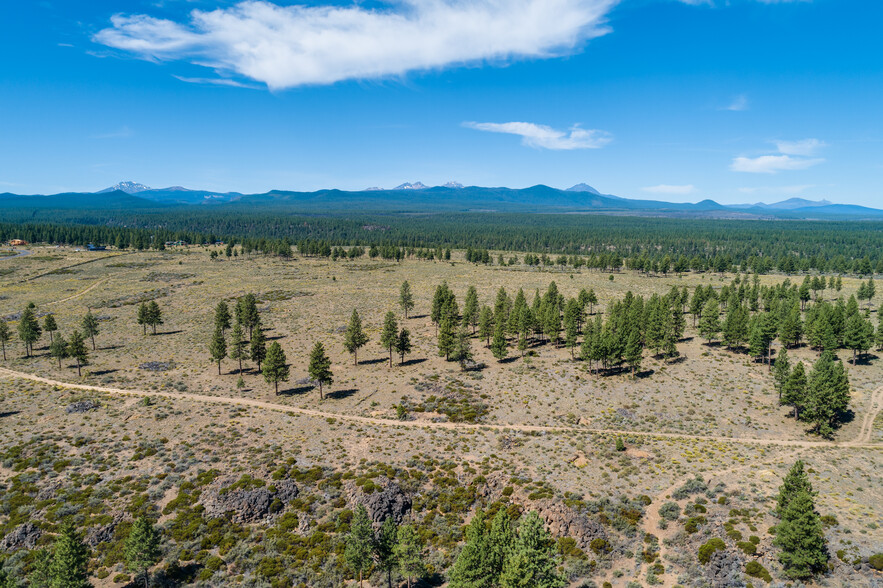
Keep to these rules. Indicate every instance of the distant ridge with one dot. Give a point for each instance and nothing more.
(450, 197)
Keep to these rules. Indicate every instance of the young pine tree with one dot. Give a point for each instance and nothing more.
(320, 367)
(446, 337)
(486, 324)
(218, 347)
(409, 553)
(77, 349)
(531, 562)
(499, 346)
(50, 326)
(275, 366)
(142, 548)
(471, 309)
(384, 548)
(222, 316)
(143, 317)
(473, 566)
(794, 390)
(5, 336)
(258, 345)
(406, 298)
(355, 338)
(801, 537)
(403, 343)
(238, 349)
(389, 333)
(90, 327)
(70, 559)
(781, 371)
(795, 481)
(58, 349)
(358, 550)
(154, 315)
(28, 330)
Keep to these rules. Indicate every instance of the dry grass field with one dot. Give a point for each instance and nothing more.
(550, 425)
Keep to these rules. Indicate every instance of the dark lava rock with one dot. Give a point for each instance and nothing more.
(246, 505)
(724, 570)
(22, 537)
(82, 406)
(390, 501)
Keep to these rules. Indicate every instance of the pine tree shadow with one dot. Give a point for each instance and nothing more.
(341, 394)
(298, 390)
(104, 372)
(374, 361)
(9, 413)
(415, 361)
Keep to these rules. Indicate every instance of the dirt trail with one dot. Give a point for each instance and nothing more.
(78, 294)
(861, 442)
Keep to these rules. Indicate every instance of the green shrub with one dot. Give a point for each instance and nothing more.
(670, 511)
(620, 445)
(693, 523)
(121, 578)
(747, 547)
(756, 570)
(876, 561)
(754, 539)
(599, 545)
(708, 548)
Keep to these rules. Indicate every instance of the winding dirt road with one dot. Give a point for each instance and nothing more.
(862, 441)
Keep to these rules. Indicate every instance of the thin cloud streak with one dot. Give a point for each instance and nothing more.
(546, 137)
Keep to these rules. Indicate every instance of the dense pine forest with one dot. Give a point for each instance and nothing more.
(657, 245)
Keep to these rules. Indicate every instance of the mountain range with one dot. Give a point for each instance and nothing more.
(450, 197)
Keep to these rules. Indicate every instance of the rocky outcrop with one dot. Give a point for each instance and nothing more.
(564, 521)
(100, 534)
(82, 406)
(22, 537)
(724, 570)
(389, 501)
(246, 505)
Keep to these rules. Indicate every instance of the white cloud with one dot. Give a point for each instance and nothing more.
(770, 164)
(738, 104)
(545, 137)
(287, 46)
(668, 189)
(805, 147)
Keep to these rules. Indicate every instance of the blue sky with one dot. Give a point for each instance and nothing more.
(734, 100)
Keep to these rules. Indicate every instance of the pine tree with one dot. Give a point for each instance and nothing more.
(258, 345)
(50, 326)
(275, 366)
(90, 327)
(531, 563)
(801, 537)
(218, 347)
(827, 393)
(856, 336)
(473, 566)
(735, 327)
(154, 315)
(238, 350)
(571, 325)
(358, 548)
(142, 548)
(222, 316)
(58, 349)
(247, 314)
(446, 337)
(406, 299)
(77, 349)
(5, 336)
(499, 346)
(471, 309)
(384, 548)
(403, 343)
(389, 333)
(794, 390)
(409, 553)
(355, 338)
(781, 371)
(486, 324)
(70, 559)
(795, 481)
(634, 351)
(462, 351)
(593, 300)
(552, 322)
(143, 317)
(320, 367)
(500, 542)
(791, 327)
(28, 330)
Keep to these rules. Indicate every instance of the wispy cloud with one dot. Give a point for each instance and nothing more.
(669, 189)
(738, 104)
(545, 137)
(805, 147)
(793, 155)
(287, 46)
(770, 164)
(216, 82)
(122, 133)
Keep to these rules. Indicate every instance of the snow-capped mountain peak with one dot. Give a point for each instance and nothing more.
(127, 187)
